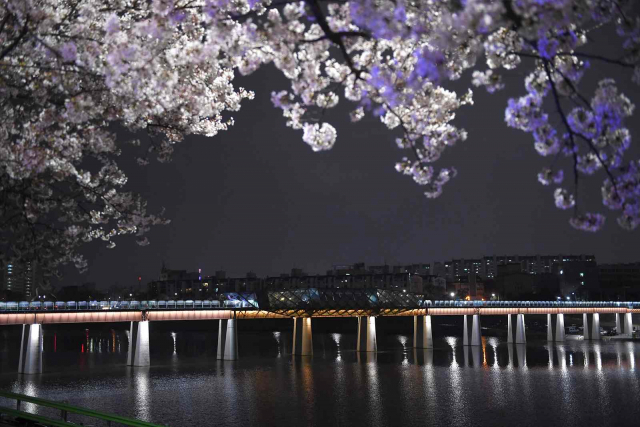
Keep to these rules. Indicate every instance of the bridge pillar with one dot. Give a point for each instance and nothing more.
(139, 344)
(476, 336)
(549, 328)
(302, 340)
(595, 330)
(367, 334)
(618, 324)
(628, 324)
(521, 337)
(227, 340)
(31, 350)
(585, 326)
(465, 331)
(422, 334)
(509, 329)
(560, 327)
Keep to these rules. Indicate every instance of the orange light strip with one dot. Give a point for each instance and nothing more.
(70, 317)
(175, 315)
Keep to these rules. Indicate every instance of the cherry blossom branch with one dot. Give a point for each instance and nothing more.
(596, 57)
(334, 37)
(563, 116)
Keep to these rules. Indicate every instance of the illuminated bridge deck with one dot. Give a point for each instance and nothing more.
(288, 304)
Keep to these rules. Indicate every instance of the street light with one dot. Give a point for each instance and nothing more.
(452, 294)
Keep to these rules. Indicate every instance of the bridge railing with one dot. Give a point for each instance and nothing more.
(248, 302)
(244, 301)
(65, 411)
(526, 304)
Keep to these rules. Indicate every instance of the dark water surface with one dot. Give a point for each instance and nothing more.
(577, 383)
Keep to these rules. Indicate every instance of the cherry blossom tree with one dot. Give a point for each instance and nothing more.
(73, 70)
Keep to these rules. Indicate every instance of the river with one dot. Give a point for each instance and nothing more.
(577, 383)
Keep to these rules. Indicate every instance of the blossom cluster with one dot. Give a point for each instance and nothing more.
(71, 70)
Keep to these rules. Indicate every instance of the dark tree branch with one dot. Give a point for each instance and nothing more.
(332, 36)
(340, 34)
(563, 116)
(597, 57)
(15, 41)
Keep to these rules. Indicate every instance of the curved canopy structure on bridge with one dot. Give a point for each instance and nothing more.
(336, 302)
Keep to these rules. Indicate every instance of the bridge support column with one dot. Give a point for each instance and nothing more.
(521, 337)
(560, 327)
(367, 334)
(422, 335)
(302, 339)
(31, 350)
(476, 336)
(509, 329)
(549, 328)
(618, 324)
(465, 331)
(227, 340)
(595, 330)
(139, 344)
(585, 326)
(628, 324)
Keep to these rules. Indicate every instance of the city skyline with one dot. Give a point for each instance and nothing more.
(240, 272)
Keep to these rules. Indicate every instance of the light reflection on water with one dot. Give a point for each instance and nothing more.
(573, 383)
(142, 393)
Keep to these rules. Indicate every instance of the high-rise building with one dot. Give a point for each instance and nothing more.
(21, 278)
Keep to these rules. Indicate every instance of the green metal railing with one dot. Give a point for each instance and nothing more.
(65, 410)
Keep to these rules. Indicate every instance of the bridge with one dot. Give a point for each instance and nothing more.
(302, 305)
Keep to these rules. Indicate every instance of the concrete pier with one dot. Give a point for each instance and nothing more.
(595, 330)
(367, 334)
(521, 337)
(139, 344)
(585, 326)
(628, 324)
(618, 324)
(31, 350)
(476, 336)
(227, 340)
(302, 338)
(560, 328)
(465, 330)
(422, 334)
(549, 328)
(509, 329)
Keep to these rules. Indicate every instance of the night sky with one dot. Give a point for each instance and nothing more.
(256, 198)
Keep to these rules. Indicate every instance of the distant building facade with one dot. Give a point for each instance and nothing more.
(20, 279)
(620, 281)
(489, 277)
(469, 287)
(530, 276)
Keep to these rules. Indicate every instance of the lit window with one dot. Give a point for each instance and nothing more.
(581, 274)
